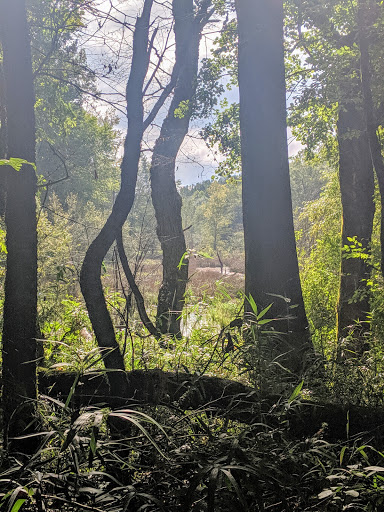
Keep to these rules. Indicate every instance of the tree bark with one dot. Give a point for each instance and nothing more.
(3, 114)
(357, 189)
(3, 140)
(165, 197)
(90, 277)
(20, 301)
(271, 266)
(369, 110)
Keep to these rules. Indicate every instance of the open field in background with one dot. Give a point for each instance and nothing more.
(204, 276)
(213, 300)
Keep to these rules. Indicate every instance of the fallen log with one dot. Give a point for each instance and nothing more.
(156, 387)
(224, 397)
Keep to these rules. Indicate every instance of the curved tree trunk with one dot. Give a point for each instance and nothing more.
(165, 197)
(90, 279)
(20, 302)
(271, 266)
(357, 190)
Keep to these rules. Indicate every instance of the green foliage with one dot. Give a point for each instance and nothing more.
(214, 210)
(161, 459)
(17, 163)
(3, 247)
(323, 67)
(182, 110)
(357, 485)
(319, 240)
(209, 89)
(77, 462)
(307, 181)
(223, 136)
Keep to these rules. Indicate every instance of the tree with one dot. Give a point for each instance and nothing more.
(271, 267)
(136, 93)
(20, 303)
(90, 282)
(357, 190)
(334, 98)
(3, 136)
(367, 13)
(165, 197)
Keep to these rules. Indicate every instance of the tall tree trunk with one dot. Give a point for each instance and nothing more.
(20, 302)
(3, 140)
(271, 266)
(357, 190)
(90, 277)
(369, 110)
(3, 113)
(165, 197)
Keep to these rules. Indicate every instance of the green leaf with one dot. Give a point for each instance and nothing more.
(264, 312)
(253, 304)
(296, 392)
(204, 255)
(68, 440)
(17, 506)
(285, 299)
(182, 110)
(342, 454)
(133, 417)
(265, 321)
(17, 163)
(183, 258)
(72, 390)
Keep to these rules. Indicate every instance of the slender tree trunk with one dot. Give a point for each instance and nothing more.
(135, 289)
(369, 109)
(271, 266)
(90, 277)
(20, 302)
(165, 197)
(357, 190)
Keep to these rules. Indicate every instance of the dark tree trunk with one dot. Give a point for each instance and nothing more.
(165, 197)
(3, 113)
(369, 110)
(3, 140)
(90, 277)
(20, 302)
(357, 190)
(271, 266)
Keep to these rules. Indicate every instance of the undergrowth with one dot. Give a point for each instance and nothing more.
(165, 459)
